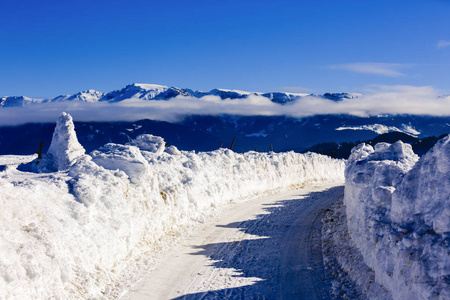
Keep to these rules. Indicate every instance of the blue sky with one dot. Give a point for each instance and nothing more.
(62, 47)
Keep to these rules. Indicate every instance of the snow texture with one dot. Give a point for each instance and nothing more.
(70, 234)
(84, 96)
(16, 160)
(150, 143)
(398, 214)
(65, 148)
(381, 129)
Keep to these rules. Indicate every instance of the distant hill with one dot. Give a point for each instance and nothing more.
(206, 133)
(343, 150)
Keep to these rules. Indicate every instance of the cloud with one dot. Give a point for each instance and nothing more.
(381, 100)
(443, 44)
(383, 69)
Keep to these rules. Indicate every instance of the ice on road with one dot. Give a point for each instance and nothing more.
(269, 248)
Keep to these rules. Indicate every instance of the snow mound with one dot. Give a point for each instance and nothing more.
(172, 150)
(148, 142)
(122, 157)
(71, 235)
(64, 149)
(398, 214)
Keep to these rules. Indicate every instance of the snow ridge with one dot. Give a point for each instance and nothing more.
(398, 214)
(69, 234)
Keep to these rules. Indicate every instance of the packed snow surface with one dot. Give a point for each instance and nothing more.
(268, 248)
(68, 232)
(398, 214)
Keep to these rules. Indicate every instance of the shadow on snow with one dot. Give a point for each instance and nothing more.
(261, 258)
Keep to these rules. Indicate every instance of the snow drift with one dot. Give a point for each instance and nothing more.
(398, 214)
(68, 232)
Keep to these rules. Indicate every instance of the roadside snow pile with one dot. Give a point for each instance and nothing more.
(69, 233)
(398, 214)
(65, 148)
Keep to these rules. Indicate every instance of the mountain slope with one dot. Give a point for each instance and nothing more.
(205, 133)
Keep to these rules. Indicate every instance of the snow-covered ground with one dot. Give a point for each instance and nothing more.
(268, 248)
(351, 277)
(398, 216)
(71, 228)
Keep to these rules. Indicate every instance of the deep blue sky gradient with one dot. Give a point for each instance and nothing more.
(49, 48)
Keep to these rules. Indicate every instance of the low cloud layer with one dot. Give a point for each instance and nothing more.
(383, 69)
(382, 100)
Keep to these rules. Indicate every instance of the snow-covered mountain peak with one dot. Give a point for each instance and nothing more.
(282, 97)
(151, 87)
(136, 90)
(229, 94)
(233, 91)
(15, 101)
(84, 96)
(340, 96)
(147, 91)
(87, 96)
(91, 92)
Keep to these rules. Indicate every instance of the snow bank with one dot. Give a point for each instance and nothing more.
(398, 214)
(69, 233)
(64, 148)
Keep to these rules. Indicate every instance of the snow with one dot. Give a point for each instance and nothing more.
(64, 149)
(152, 87)
(6, 160)
(18, 101)
(236, 91)
(298, 94)
(351, 277)
(72, 233)
(398, 215)
(380, 128)
(122, 157)
(237, 255)
(150, 143)
(84, 96)
(410, 130)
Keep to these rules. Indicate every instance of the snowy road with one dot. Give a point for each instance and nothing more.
(269, 248)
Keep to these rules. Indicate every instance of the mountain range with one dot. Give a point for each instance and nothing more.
(161, 92)
(209, 132)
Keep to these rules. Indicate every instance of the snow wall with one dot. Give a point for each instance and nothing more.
(68, 231)
(398, 215)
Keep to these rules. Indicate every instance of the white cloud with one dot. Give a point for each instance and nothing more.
(383, 69)
(443, 44)
(381, 100)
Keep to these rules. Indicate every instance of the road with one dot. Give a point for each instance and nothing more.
(269, 248)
